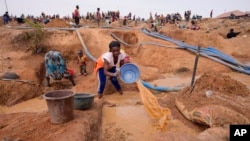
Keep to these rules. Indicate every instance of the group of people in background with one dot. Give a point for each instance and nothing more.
(175, 18)
(111, 16)
(106, 17)
(98, 16)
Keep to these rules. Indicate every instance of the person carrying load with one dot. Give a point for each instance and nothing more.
(55, 66)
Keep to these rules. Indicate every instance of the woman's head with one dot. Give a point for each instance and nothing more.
(114, 47)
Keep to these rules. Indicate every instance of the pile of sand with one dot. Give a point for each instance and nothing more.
(217, 83)
(229, 102)
(220, 83)
(57, 23)
(116, 23)
(128, 37)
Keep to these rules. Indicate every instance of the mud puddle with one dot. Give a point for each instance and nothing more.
(125, 118)
(174, 81)
(126, 122)
(185, 80)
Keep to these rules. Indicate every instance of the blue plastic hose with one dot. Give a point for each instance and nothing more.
(209, 52)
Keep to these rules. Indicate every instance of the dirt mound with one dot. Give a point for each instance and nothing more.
(220, 83)
(89, 23)
(212, 95)
(214, 134)
(202, 38)
(116, 24)
(12, 94)
(57, 23)
(128, 37)
(240, 50)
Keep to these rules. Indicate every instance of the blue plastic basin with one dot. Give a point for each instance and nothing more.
(129, 73)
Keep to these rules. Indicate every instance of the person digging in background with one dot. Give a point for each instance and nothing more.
(232, 34)
(82, 61)
(107, 65)
(55, 65)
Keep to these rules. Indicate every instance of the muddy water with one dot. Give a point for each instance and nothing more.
(174, 81)
(130, 122)
(124, 118)
(185, 80)
(32, 105)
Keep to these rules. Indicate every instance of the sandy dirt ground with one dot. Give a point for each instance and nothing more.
(228, 104)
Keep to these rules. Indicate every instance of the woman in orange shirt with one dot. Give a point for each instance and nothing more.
(107, 65)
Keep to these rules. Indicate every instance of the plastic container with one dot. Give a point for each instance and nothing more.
(83, 101)
(71, 72)
(60, 105)
(209, 93)
(129, 73)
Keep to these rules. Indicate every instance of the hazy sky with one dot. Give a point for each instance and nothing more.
(140, 8)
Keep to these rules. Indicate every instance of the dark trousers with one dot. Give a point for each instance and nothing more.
(77, 20)
(102, 80)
